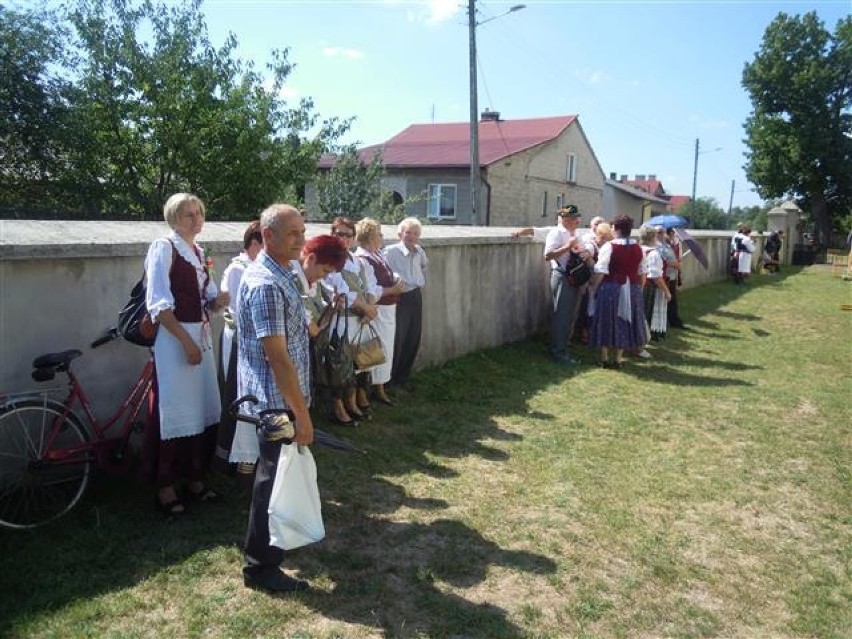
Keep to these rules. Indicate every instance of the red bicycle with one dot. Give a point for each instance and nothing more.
(48, 450)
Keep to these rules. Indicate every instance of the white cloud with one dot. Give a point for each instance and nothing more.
(591, 76)
(351, 54)
(709, 124)
(428, 11)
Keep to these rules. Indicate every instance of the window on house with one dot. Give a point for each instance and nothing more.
(442, 201)
(560, 200)
(571, 170)
(544, 205)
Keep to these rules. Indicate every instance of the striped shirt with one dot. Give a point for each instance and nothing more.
(270, 304)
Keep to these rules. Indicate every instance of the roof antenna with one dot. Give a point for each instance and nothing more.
(433, 113)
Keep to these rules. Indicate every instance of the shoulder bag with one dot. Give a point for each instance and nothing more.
(577, 271)
(134, 323)
(333, 364)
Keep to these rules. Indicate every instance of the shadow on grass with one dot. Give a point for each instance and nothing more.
(387, 553)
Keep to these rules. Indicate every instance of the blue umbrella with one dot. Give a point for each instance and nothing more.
(667, 221)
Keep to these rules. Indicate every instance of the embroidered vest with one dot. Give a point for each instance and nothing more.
(384, 277)
(189, 301)
(624, 264)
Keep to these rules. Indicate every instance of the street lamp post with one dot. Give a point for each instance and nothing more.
(695, 168)
(474, 107)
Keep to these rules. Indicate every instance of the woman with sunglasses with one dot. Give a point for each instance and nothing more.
(351, 282)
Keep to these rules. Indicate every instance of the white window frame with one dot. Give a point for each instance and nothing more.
(436, 215)
(571, 168)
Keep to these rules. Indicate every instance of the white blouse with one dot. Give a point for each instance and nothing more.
(158, 264)
(654, 261)
(374, 290)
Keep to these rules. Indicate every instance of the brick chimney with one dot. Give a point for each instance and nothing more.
(652, 178)
(612, 176)
(640, 178)
(623, 178)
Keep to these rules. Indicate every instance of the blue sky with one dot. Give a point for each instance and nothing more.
(645, 78)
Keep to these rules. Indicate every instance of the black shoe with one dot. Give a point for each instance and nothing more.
(278, 582)
(352, 423)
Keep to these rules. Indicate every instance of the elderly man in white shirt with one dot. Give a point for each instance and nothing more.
(408, 260)
(561, 241)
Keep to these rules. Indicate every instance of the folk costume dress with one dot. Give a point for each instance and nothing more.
(187, 395)
(656, 307)
(380, 274)
(619, 315)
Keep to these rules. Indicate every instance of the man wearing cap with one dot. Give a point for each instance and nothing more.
(561, 240)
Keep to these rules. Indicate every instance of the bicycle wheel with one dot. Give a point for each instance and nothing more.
(35, 490)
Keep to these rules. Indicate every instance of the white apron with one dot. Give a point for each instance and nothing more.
(385, 325)
(188, 395)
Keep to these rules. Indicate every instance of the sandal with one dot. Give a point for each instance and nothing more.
(205, 495)
(175, 507)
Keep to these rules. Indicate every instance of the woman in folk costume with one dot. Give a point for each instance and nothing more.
(179, 296)
(351, 283)
(655, 290)
(321, 256)
(745, 248)
(619, 322)
(236, 443)
(386, 287)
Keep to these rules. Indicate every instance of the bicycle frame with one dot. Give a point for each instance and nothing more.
(130, 408)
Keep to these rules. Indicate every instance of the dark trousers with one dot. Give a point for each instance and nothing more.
(261, 559)
(672, 311)
(409, 328)
(227, 424)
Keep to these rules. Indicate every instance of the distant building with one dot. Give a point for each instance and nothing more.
(528, 168)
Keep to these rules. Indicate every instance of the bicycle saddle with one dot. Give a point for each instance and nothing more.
(53, 360)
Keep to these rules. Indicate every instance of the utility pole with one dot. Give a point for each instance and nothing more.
(731, 201)
(694, 175)
(474, 118)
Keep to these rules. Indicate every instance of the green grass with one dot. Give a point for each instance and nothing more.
(704, 493)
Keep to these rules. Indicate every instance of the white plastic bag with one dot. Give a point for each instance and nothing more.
(295, 512)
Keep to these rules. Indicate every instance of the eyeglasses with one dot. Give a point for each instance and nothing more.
(342, 234)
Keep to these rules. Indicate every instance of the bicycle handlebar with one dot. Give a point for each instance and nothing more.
(111, 334)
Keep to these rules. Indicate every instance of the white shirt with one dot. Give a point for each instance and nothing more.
(231, 277)
(653, 262)
(558, 237)
(411, 265)
(374, 290)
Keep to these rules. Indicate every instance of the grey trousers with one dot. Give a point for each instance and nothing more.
(566, 299)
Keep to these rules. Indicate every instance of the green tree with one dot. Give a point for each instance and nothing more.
(705, 213)
(172, 113)
(354, 189)
(798, 134)
(33, 114)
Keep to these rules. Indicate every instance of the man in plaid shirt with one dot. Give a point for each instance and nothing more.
(274, 365)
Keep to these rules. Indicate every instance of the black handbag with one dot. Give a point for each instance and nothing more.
(134, 323)
(577, 271)
(333, 365)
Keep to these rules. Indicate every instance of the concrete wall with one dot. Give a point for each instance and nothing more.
(63, 283)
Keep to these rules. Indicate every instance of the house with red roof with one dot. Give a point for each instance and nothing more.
(655, 200)
(528, 167)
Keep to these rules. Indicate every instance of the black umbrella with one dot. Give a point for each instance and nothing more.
(320, 436)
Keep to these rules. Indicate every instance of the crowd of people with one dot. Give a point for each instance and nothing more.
(610, 290)
(278, 296)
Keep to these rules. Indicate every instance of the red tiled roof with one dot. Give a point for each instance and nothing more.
(676, 201)
(655, 187)
(448, 145)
